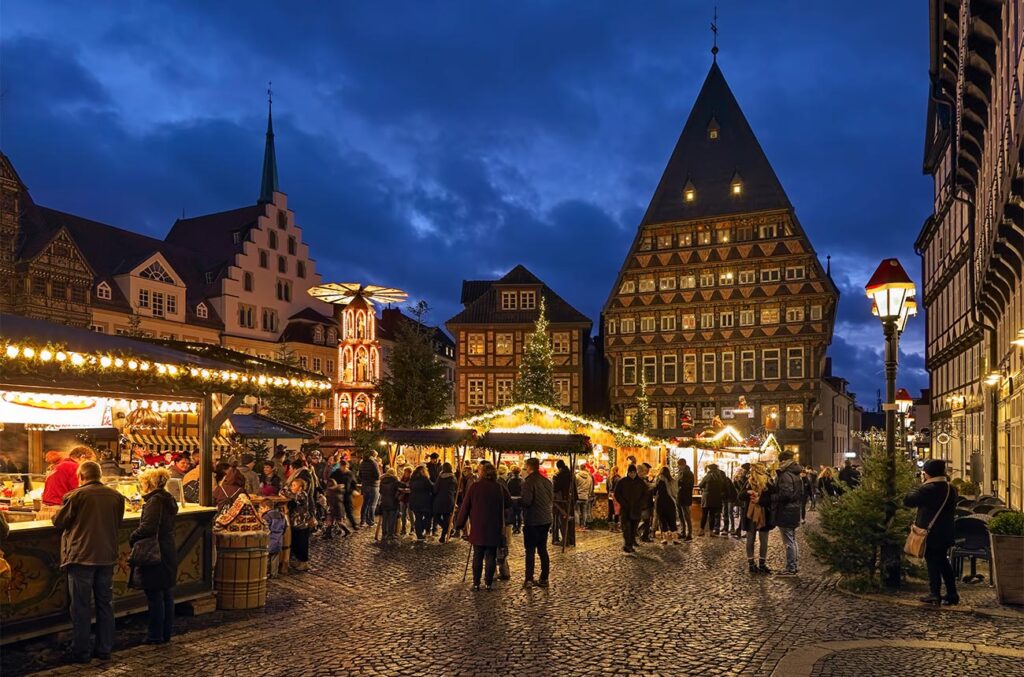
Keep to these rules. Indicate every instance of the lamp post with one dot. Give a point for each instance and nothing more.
(903, 404)
(891, 291)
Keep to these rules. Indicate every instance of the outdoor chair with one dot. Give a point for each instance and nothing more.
(990, 499)
(963, 512)
(960, 500)
(966, 503)
(986, 508)
(970, 541)
(998, 510)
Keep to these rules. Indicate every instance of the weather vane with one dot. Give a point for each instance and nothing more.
(714, 31)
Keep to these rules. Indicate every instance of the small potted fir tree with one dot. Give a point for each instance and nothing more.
(1007, 533)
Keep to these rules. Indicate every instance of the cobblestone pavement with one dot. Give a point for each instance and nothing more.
(882, 662)
(689, 609)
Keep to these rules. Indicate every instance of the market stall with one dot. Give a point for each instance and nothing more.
(610, 445)
(55, 380)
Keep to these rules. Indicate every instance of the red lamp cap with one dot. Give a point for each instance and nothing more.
(902, 394)
(890, 273)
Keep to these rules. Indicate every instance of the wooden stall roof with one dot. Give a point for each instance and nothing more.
(550, 443)
(258, 426)
(428, 437)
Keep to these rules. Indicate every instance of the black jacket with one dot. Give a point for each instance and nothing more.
(633, 496)
(157, 519)
(389, 492)
(444, 494)
(346, 482)
(787, 496)
(928, 498)
(713, 489)
(563, 484)
(849, 476)
(515, 485)
(537, 500)
(421, 494)
(684, 484)
(433, 471)
(369, 473)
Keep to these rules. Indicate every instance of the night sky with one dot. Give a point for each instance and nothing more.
(424, 143)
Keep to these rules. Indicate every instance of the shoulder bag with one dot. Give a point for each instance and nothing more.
(918, 537)
(145, 552)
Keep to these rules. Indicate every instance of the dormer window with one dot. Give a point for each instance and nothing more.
(202, 312)
(332, 336)
(689, 192)
(103, 291)
(713, 130)
(156, 272)
(508, 300)
(236, 236)
(736, 185)
(528, 300)
(318, 334)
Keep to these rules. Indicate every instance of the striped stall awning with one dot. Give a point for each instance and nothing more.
(162, 443)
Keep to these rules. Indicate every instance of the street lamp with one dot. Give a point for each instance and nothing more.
(903, 404)
(890, 289)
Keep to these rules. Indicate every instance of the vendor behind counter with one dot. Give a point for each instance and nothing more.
(63, 478)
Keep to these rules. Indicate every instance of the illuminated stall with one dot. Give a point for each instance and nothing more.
(60, 385)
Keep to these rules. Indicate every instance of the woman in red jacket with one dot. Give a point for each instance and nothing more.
(484, 506)
(64, 477)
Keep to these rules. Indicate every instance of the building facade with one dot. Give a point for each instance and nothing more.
(835, 422)
(721, 305)
(972, 246)
(236, 278)
(490, 335)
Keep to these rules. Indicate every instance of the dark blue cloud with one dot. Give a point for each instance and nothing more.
(421, 144)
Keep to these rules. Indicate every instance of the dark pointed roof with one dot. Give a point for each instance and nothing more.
(484, 304)
(710, 164)
(268, 186)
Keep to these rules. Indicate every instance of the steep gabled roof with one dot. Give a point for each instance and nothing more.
(214, 233)
(473, 289)
(711, 164)
(486, 307)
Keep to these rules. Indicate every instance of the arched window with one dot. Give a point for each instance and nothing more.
(156, 272)
(332, 336)
(347, 365)
(318, 334)
(282, 220)
(247, 279)
(362, 366)
(272, 239)
(346, 324)
(374, 364)
(361, 325)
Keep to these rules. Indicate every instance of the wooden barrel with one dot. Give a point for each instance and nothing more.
(240, 576)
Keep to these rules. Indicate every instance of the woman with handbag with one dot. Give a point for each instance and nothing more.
(154, 556)
(932, 532)
(484, 506)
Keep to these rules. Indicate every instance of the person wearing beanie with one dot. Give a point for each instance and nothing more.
(632, 495)
(935, 501)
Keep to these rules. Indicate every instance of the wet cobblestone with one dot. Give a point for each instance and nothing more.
(688, 609)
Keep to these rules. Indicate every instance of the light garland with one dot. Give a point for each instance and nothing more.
(472, 421)
(110, 363)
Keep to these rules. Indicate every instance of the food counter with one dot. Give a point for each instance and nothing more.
(38, 598)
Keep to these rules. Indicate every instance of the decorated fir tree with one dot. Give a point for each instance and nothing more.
(535, 384)
(415, 393)
(640, 422)
(289, 406)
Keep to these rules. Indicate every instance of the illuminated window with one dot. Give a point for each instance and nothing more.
(503, 344)
(560, 343)
(628, 325)
(704, 237)
(563, 392)
(666, 283)
(816, 312)
(103, 291)
(475, 387)
(628, 287)
(769, 316)
(476, 344)
(689, 321)
(668, 418)
(664, 242)
(611, 326)
(747, 317)
(689, 192)
(770, 416)
(707, 279)
(646, 284)
(647, 323)
(725, 277)
(690, 368)
(503, 391)
(794, 416)
(629, 415)
(688, 282)
(685, 239)
(707, 320)
(723, 235)
(795, 314)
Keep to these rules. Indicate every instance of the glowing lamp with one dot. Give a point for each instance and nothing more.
(1019, 341)
(903, 400)
(890, 288)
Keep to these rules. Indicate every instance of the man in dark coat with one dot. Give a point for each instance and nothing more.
(849, 475)
(684, 499)
(347, 486)
(935, 500)
(515, 489)
(633, 495)
(89, 520)
(563, 503)
(787, 497)
(712, 493)
(444, 501)
(536, 501)
(434, 467)
(369, 481)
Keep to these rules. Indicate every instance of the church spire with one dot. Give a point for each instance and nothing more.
(268, 186)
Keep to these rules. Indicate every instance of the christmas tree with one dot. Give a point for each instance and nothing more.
(640, 422)
(415, 393)
(535, 385)
(289, 406)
